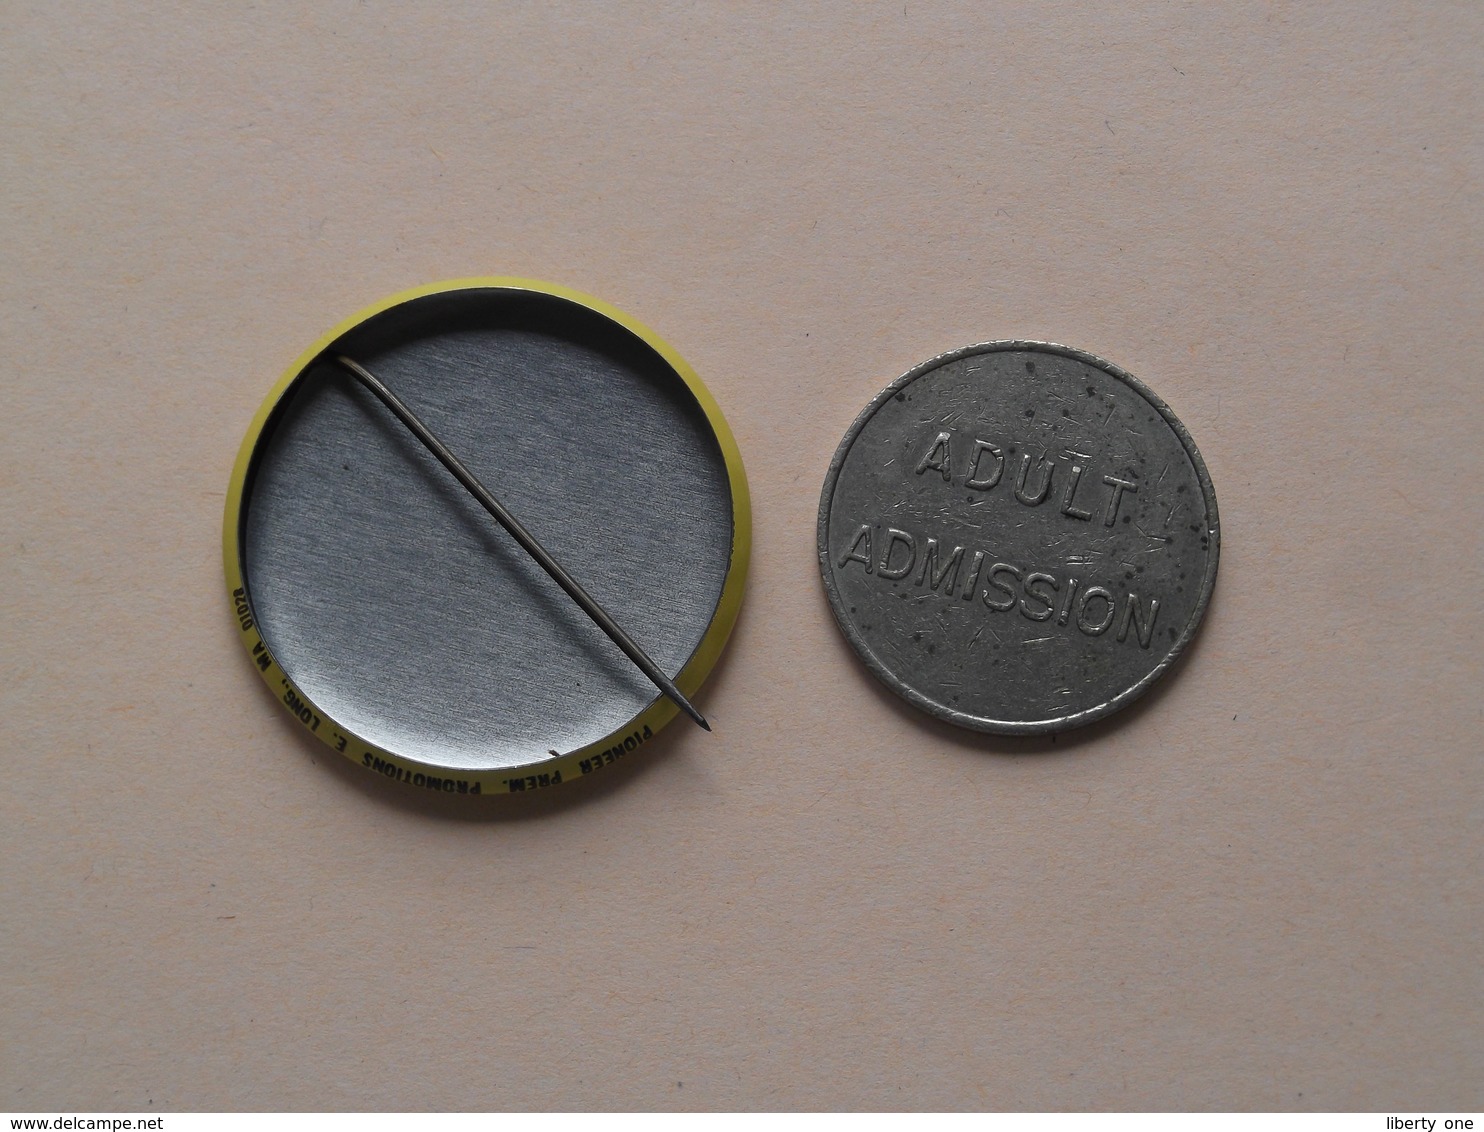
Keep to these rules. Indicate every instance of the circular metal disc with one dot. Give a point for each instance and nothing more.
(1018, 537)
(399, 623)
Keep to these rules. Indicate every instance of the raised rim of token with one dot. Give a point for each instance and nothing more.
(999, 726)
(547, 772)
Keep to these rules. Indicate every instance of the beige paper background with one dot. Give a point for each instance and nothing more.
(1258, 889)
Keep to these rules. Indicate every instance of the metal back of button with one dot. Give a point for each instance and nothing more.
(394, 605)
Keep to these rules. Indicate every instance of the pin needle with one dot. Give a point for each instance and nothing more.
(524, 537)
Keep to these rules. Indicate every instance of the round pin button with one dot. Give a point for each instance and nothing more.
(399, 622)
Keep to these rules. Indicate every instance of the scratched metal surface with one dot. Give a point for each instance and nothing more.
(399, 606)
(996, 530)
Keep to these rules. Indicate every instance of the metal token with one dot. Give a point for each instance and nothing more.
(395, 604)
(1018, 537)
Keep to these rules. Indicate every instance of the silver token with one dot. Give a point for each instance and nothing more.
(1018, 537)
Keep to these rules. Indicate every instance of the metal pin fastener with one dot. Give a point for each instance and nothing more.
(527, 541)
